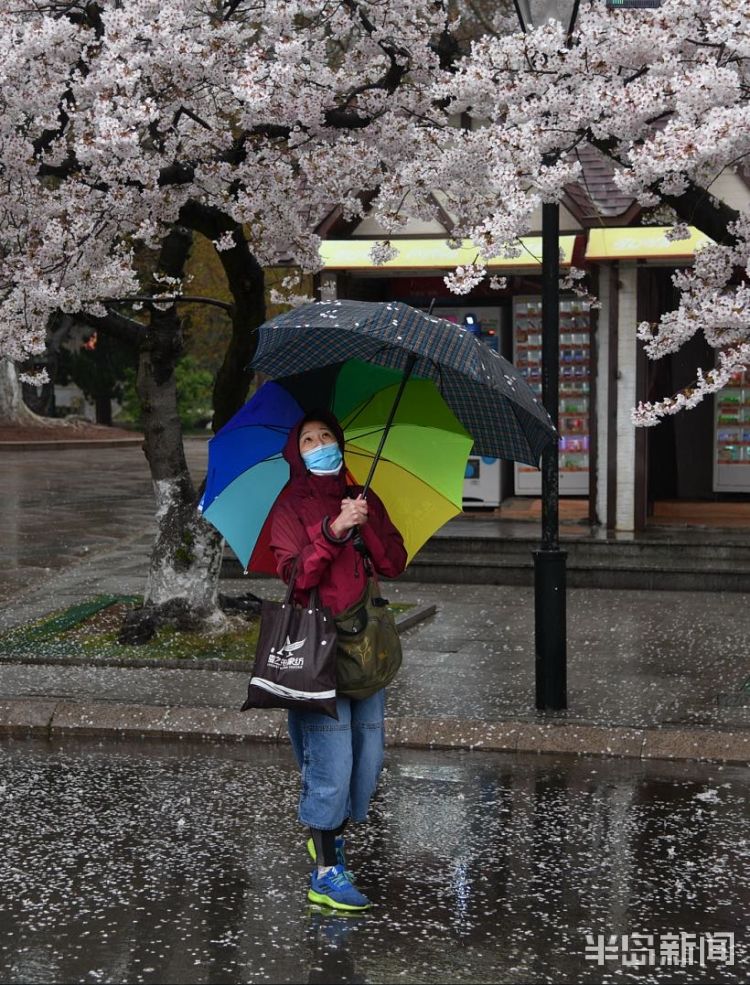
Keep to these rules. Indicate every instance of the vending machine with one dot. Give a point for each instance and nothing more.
(575, 388)
(732, 435)
(484, 322)
(483, 485)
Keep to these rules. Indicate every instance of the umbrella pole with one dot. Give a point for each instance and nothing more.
(407, 373)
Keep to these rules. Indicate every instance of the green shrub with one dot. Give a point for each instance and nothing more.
(194, 393)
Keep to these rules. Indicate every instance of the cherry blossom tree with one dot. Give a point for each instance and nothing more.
(127, 126)
(271, 111)
(662, 94)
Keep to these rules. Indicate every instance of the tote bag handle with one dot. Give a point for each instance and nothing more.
(313, 602)
(290, 586)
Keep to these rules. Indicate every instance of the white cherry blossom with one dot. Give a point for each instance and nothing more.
(114, 116)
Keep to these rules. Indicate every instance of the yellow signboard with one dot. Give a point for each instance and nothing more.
(433, 254)
(642, 243)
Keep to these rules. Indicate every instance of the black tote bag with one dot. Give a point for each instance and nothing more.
(295, 659)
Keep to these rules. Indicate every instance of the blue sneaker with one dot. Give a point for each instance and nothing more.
(340, 853)
(336, 891)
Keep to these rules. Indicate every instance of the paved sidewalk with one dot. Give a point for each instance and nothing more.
(650, 674)
(643, 680)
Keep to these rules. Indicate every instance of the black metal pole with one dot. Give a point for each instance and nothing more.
(549, 561)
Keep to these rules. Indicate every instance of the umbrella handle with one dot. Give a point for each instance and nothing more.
(407, 373)
(361, 548)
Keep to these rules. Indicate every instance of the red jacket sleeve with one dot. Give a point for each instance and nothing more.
(290, 539)
(382, 539)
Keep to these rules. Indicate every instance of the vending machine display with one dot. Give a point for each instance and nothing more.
(575, 388)
(483, 482)
(732, 435)
(485, 319)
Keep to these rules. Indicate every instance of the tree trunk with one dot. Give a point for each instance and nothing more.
(13, 410)
(247, 284)
(104, 411)
(182, 584)
(183, 579)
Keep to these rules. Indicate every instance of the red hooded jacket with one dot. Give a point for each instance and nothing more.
(296, 525)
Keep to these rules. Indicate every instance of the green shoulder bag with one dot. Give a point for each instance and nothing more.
(369, 649)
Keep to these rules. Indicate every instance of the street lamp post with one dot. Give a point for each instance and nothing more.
(549, 560)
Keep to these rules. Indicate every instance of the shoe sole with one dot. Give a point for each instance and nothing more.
(333, 904)
(318, 910)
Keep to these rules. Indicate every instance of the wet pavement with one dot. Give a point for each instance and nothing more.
(141, 862)
(183, 862)
(79, 523)
(634, 658)
(58, 506)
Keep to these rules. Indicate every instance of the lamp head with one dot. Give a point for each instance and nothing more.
(534, 13)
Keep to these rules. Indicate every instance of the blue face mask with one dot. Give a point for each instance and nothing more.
(324, 460)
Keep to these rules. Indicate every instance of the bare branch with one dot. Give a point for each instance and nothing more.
(170, 299)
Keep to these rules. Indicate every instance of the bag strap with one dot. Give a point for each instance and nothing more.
(290, 585)
(313, 601)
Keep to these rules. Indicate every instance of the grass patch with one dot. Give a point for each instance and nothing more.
(89, 631)
(399, 608)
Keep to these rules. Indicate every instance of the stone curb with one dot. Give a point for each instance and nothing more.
(414, 616)
(407, 621)
(98, 718)
(52, 445)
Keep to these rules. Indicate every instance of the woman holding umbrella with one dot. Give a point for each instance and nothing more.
(391, 372)
(313, 523)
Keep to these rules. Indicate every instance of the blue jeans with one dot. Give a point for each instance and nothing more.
(340, 760)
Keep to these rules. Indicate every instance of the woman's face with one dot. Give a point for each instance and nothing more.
(315, 433)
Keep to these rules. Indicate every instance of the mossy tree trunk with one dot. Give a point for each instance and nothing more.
(13, 410)
(183, 579)
(186, 557)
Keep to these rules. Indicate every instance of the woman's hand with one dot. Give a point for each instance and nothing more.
(353, 514)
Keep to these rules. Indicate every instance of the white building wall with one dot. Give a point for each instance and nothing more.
(568, 222)
(418, 227)
(602, 396)
(730, 188)
(413, 227)
(626, 364)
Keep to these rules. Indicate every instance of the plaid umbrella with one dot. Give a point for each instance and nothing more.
(484, 391)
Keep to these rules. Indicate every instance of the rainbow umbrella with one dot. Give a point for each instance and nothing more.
(419, 475)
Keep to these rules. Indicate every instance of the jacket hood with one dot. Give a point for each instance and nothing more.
(297, 468)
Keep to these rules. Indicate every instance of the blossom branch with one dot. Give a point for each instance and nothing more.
(731, 361)
(170, 299)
